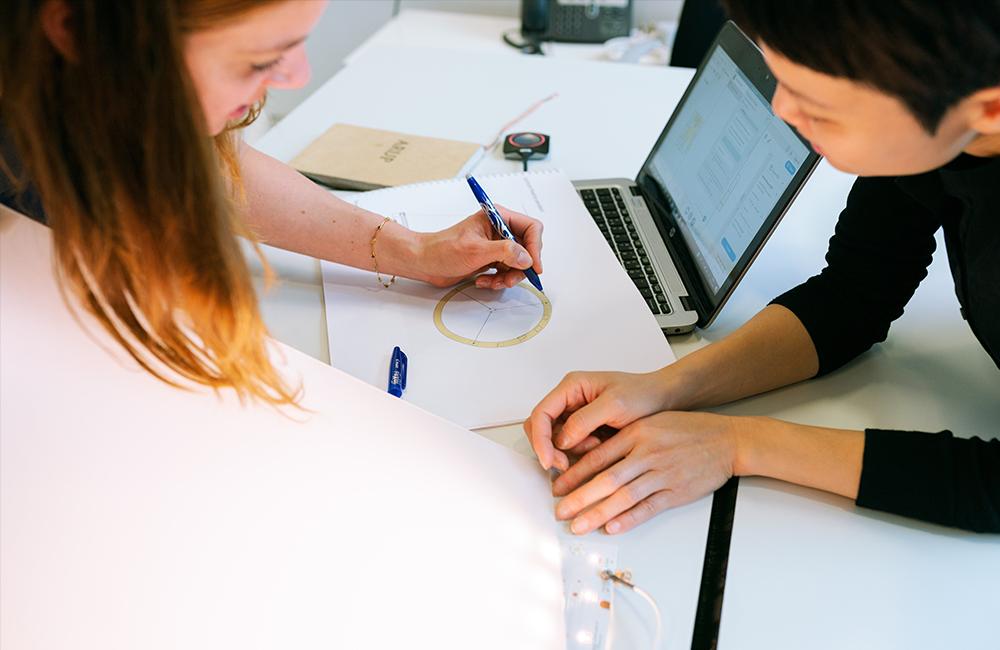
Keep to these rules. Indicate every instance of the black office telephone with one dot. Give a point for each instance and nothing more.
(575, 21)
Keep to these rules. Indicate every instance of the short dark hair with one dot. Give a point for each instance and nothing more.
(929, 54)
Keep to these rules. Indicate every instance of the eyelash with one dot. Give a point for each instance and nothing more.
(264, 67)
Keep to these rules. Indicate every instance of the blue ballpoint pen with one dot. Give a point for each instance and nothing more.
(499, 225)
(397, 372)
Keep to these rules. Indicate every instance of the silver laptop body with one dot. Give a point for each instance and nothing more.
(715, 185)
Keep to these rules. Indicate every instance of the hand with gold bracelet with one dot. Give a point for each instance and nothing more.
(288, 211)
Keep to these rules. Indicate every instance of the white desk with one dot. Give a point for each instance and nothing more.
(811, 570)
(427, 92)
(919, 379)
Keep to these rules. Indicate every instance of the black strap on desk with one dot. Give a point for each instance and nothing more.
(713, 572)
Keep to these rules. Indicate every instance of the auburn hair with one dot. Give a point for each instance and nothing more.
(145, 208)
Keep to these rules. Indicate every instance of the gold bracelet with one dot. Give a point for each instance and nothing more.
(378, 276)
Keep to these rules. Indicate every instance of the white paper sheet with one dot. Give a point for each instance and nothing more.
(135, 515)
(598, 320)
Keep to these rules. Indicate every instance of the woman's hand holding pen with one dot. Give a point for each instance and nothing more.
(470, 247)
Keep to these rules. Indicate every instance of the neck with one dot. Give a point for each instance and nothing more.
(984, 146)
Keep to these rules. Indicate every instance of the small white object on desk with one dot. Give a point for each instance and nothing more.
(589, 597)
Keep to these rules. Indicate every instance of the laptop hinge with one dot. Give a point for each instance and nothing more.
(696, 300)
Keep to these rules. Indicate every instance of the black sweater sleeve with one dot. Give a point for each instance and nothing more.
(877, 256)
(934, 477)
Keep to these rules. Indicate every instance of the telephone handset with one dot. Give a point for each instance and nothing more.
(575, 21)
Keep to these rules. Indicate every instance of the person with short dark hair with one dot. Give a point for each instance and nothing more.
(907, 96)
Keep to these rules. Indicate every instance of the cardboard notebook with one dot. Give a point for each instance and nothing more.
(349, 157)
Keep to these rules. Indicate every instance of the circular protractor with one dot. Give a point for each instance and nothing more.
(484, 318)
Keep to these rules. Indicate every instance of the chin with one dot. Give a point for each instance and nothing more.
(880, 168)
(849, 167)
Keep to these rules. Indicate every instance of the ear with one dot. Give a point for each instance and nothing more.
(55, 16)
(985, 107)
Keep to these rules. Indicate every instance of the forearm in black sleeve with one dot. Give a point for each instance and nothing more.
(933, 477)
(878, 255)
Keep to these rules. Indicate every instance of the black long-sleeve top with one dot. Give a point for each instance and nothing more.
(877, 256)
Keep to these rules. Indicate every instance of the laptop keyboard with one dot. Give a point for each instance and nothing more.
(607, 208)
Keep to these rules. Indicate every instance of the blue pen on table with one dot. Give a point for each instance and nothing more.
(397, 372)
(498, 224)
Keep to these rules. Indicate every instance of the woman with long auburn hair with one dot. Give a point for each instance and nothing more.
(119, 129)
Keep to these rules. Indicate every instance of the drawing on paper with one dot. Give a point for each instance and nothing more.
(484, 318)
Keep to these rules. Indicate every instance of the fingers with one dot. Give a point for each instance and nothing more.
(515, 256)
(567, 396)
(528, 231)
(509, 278)
(560, 461)
(638, 495)
(608, 482)
(455, 253)
(590, 442)
(538, 428)
(643, 511)
(499, 280)
(503, 277)
(484, 279)
(494, 252)
(594, 461)
(586, 420)
(664, 461)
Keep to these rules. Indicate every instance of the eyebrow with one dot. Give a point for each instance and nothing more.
(798, 95)
(280, 48)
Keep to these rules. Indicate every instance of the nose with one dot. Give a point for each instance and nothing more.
(293, 72)
(784, 106)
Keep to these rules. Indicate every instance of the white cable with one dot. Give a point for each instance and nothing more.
(624, 579)
(528, 111)
(656, 614)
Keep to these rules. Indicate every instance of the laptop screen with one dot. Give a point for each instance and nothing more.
(725, 162)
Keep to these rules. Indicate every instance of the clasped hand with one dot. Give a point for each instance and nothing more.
(655, 461)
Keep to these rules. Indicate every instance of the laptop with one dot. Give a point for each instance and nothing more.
(721, 175)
